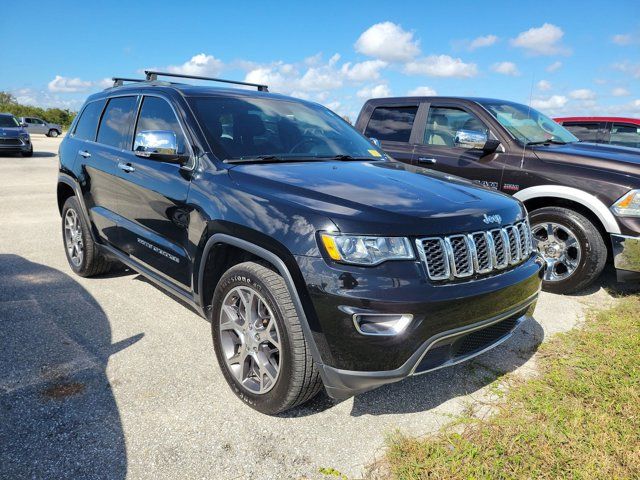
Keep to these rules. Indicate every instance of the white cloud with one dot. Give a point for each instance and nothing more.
(441, 66)
(201, 64)
(553, 102)
(389, 42)
(632, 69)
(544, 40)
(620, 92)
(422, 92)
(44, 99)
(363, 71)
(544, 85)
(582, 94)
(481, 42)
(69, 85)
(506, 68)
(376, 91)
(622, 39)
(554, 67)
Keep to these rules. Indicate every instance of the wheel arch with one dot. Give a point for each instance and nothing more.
(557, 195)
(64, 191)
(220, 244)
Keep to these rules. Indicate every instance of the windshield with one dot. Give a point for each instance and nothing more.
(528, 125)
(7, 121)
(245, 128)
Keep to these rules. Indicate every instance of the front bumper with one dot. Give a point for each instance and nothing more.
(14, 145)
(443, 317)
(626, 253)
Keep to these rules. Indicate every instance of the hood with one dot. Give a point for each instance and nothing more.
(592, 155)
(380, 197)
(11, 132)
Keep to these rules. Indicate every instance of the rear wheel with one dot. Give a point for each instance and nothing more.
(572, 247)
(82, 253)
(53, 133)
(259, 342)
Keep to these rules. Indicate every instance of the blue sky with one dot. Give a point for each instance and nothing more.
(570, 57)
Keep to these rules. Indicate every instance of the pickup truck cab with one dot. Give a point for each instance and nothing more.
(583, 199)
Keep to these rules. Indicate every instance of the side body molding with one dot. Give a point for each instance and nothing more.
(558, 191)
(277, 262)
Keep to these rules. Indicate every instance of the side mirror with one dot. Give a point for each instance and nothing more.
(470, 139)
(375, 141)
(158, 145)
(24, 125)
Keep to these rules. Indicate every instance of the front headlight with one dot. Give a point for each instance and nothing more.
(628, 205)
(365, 250)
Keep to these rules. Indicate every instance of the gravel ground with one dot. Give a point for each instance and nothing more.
(111, 377)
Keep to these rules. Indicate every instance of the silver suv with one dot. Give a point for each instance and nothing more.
(37, 125)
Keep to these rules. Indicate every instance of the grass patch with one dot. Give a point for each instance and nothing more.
(580, 418)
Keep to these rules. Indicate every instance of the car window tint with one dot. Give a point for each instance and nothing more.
(443, 123)
(115, 126)
(625, 134)
(157, 114)
(88, 122)
(587, 132)
(391, 123)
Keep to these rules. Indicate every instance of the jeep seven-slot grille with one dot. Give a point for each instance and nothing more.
(478, 253)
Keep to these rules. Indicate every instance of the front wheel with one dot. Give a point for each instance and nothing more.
(28, 153)
(259, 342)
(572, 247)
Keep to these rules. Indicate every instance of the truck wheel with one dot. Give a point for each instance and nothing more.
(53, 133)
(82, 253)
(572, 247)
(259, 342)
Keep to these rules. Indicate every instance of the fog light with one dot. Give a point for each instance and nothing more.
(381, 323)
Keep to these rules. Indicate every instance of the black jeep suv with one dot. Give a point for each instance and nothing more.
(317, 260)
(583, 199)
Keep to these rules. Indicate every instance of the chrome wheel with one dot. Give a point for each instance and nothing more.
(250, 339)
(560, 249)
(73, 237)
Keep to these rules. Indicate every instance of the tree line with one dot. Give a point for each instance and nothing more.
(9, 104)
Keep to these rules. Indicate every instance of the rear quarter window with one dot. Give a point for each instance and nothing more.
(88, 122)
(391, 124)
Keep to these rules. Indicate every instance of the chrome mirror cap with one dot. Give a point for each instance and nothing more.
(155, 142)
(470, 139)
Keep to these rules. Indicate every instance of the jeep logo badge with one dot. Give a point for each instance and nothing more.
(492, 219)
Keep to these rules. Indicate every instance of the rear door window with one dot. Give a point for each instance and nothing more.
(88, 122)
(117, 122)
(586, 132)
(625, 135)
(391, 124)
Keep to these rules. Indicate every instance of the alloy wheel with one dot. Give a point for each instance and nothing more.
(73, 237)
(250, 339)
(559, 247)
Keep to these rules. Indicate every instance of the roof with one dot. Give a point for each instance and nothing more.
(635, 121)
(480, 100)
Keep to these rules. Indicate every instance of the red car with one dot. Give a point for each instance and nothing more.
(613, 130)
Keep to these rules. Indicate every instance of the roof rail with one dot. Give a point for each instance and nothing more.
(119, 81)
(153, 75)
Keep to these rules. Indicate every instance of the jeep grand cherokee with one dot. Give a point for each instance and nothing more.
(318, 261)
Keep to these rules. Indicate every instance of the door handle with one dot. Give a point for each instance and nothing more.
(431, 161)
(84, 153)
(126, 167)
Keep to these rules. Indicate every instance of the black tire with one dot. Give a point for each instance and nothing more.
(53, 133)
(298, 380)
(593, 249)
(28, 153)
(93, 262)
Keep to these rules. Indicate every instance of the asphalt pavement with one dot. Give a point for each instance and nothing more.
(110, 377)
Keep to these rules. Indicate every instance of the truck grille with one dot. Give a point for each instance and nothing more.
(478, 253)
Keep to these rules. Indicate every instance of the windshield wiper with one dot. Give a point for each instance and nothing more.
(545, 142)
(273, 158)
